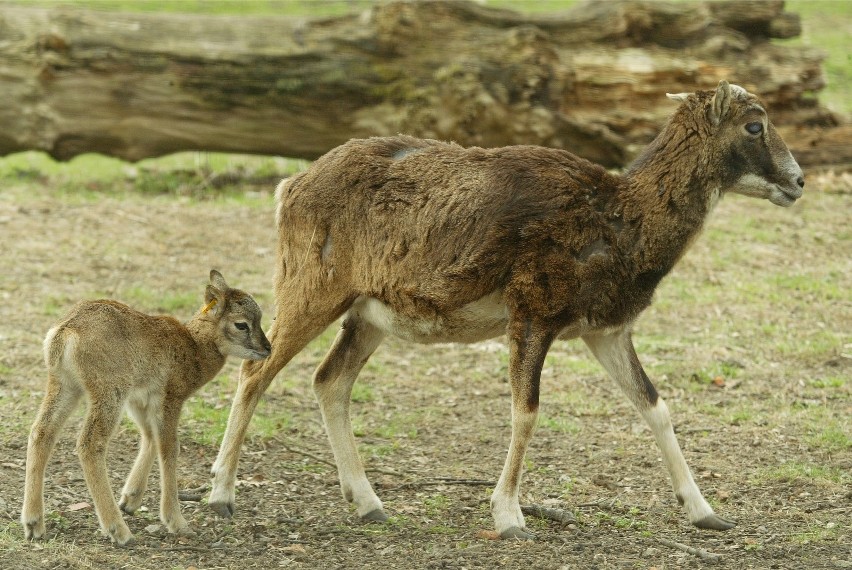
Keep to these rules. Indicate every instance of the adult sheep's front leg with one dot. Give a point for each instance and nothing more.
(616, 353)
(528, 345)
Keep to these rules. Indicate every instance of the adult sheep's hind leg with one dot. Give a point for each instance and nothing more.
(333, 383)
(616, 353)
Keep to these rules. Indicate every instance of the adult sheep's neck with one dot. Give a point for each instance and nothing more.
(669, 192)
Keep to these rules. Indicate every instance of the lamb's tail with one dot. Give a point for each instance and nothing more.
(59, 346)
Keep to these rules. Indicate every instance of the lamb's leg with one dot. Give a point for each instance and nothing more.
(59, 401)
(616, 353)
(100, 423)
(333, 383)
(137, 481)
(528, 345)
(290, 333)
(169, 447)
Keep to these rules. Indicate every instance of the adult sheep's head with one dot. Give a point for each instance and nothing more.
(750, 155)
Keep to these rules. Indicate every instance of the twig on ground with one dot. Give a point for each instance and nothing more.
(190, 497)
(685, 431)
(541, 512)
(383, 471)
(702, 554)
(331, 463)
(185, 548)
(195, 494)
(592, 504)
(444, 481)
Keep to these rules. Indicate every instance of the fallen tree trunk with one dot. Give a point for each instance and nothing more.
(591, 80)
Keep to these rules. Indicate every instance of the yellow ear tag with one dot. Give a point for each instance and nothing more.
(208, 306)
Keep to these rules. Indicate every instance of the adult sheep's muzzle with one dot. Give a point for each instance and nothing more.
(787, 194)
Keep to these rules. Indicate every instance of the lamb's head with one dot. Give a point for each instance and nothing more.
(237, 318)
(744, 148)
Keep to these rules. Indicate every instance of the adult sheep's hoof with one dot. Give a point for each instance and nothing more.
(516, 532)
(224, 510)
(376, 515)
(714, 522)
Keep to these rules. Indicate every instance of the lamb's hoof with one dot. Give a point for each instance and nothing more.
(224, 510)
(714, 522)
(128, 542)
(186, 532)
(518, 533)
(126, 508)
(34, 530)
(376, 515)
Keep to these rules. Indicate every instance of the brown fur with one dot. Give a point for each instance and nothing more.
(435, 242)
(117, 356)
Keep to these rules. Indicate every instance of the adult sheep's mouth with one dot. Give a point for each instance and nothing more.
(784, 197)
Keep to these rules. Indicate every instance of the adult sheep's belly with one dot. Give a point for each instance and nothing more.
(480, 320)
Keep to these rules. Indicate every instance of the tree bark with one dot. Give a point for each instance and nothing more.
(591, 80)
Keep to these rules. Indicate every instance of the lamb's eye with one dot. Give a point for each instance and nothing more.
(754, 128)
(241, 326)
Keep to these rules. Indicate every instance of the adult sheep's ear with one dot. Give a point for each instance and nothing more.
(679, 97)
(721, 103)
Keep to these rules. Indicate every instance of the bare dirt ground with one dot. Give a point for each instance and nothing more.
(749, 343)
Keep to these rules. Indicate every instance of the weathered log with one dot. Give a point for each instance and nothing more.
(590, 80)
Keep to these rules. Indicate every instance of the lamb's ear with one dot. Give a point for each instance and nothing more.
(721, 103)
(217, 280)
(214, 300)
(214, 295)
(679, 97)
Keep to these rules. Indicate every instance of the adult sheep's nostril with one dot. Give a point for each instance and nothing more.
(801, 181)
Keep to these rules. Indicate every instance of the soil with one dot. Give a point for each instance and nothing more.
(433, 421)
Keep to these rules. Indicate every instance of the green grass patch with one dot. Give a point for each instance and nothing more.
(315, 8)
(832, 438)
(89, 177)
(829, 383)
(362, 393)
(798, 471)
(163, 302)
(400, 426)
(558, 424)
(827, 24)
(55, 306)
(817, 533)
(267, 425)
(204, 423)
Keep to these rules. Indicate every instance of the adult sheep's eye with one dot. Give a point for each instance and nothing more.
(241, 326)
(754, 128)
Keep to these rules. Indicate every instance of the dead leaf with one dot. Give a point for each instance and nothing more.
(297, 548)
(488, 534)
(78, 507)
(719, 382)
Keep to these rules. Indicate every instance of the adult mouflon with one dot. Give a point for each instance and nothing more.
(432, 242)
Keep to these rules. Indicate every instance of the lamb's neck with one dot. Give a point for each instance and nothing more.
(209, 360)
